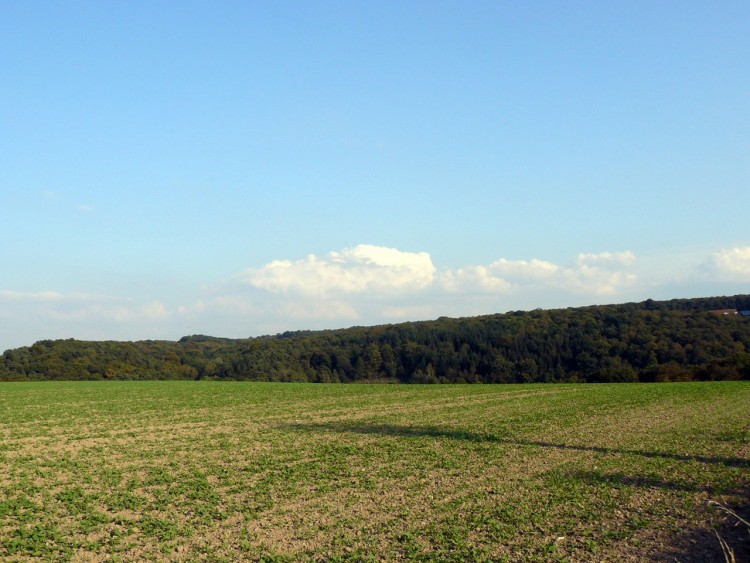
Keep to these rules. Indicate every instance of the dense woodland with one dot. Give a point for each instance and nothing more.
(677, 340)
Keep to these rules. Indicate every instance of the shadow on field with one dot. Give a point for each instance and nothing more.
(596, 478)
(695, 543)
(436, 432)
(703, 542)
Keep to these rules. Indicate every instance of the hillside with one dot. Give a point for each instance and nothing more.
(677, 340)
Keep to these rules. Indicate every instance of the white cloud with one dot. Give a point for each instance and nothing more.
(598, 274)
(367, 285)
(370, 284)
(374, 272)
(593, 280)
(86, 208)
(731, 263)
(365, 268)
(473, 278)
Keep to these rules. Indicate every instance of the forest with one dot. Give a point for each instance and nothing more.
(678, 340)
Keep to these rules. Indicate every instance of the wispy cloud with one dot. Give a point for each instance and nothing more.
(53, 314)
(53, 196)
(36, 296)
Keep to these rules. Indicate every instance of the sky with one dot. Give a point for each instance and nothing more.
(246, 168)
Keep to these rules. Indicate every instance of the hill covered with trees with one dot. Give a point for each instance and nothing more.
(677, 340)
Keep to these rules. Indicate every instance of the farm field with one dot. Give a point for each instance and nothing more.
(247, 471)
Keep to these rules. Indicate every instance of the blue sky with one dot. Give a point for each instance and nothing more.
(244, 168)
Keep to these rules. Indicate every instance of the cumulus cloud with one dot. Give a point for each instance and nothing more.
(474, 278)
(388, 272)
(369, 284)
(732, 264)
(364, 268)
(596, 281)
(598, 274)
(365, 284)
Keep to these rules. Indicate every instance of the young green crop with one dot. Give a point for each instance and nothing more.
(283, 472)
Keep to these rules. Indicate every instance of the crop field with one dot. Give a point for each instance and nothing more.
(224, 471)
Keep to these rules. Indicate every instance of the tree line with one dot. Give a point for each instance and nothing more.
(677, 340)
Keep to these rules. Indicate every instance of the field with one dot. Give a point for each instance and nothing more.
(248, 471)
